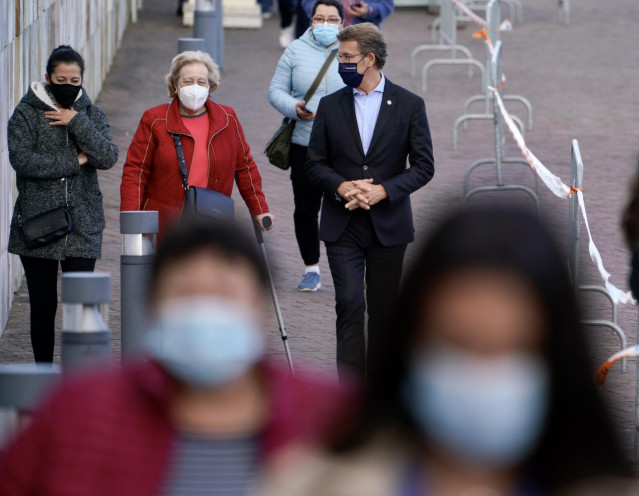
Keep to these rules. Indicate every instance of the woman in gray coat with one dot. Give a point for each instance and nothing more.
(57, 141)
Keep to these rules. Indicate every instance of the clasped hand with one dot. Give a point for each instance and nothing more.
(60, 117)
(361, 193)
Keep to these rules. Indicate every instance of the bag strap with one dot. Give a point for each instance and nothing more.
(320, 76)
(181, 160)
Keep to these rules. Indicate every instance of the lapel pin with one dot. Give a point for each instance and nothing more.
(388, 102)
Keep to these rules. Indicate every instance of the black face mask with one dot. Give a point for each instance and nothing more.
(64, 94)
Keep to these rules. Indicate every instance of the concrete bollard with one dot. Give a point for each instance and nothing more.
(207, 24)
(190, 44)
(139, 236)
(85, 336)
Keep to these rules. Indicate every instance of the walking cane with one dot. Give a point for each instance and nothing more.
(260, 241)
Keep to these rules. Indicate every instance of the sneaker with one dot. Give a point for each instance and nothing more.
(286, 36)
(310, 282)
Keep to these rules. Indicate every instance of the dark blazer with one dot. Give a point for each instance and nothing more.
(335, 154)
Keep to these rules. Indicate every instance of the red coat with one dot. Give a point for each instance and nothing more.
(151, 177)
(110, 434)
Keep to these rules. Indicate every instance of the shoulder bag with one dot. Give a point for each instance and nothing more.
(49, 226)
(202, 201)
(279, 146)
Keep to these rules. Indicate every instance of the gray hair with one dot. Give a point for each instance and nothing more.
(369, 40)
(185, 58)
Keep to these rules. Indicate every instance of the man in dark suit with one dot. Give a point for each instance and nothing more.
(361, 138)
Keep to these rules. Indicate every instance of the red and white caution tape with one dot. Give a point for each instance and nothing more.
(473, 17)
(562, 190)
(602, 372)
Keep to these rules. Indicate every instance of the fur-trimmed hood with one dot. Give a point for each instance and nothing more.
(39, 97)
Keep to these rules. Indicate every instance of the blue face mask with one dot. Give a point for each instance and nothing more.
(349, 74)
(205, 341)
(489, 411)
(325, 33)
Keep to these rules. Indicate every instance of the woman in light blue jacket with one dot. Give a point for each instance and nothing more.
(295, 73)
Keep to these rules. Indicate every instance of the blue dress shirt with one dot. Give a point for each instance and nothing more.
(367, 110)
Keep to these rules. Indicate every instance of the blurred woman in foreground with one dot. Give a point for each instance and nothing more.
(484, 385)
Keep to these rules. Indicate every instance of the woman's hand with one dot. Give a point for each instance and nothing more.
(82, 158)
(359, 9)
(303, 114)
(60, 117)
(260, 221)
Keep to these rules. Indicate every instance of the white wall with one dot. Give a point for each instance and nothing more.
(29, 30)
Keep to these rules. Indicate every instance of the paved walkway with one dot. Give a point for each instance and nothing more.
(581, 80)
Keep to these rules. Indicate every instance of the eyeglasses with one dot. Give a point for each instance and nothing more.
(334, 21)
(349, 58)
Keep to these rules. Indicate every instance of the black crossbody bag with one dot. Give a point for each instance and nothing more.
(202, 201)
(48, 226)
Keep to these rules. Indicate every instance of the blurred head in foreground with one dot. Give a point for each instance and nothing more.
(207, 290)
(486, 368)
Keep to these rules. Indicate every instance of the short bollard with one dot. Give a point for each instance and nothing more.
(139, 233)
(23, 386)
(190, 44)
(85, 336)
(207, 24)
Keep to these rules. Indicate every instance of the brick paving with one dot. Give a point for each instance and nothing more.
(578, 78)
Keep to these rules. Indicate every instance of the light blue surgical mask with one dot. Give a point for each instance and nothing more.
(489, 411)
(205, 341)
(325, 33)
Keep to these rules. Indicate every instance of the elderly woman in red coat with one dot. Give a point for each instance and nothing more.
(214, 146)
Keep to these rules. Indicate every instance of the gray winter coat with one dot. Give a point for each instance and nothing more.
(45, 159)
(294, 75)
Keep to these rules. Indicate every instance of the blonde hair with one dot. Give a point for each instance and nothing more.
(190, 57)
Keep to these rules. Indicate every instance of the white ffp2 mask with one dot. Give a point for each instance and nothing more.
(193, 96)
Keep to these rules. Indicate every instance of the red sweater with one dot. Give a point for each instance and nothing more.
(110, 434)
(151, 177)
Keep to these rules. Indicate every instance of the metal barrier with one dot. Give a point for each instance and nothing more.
(448, 43)
(493, 20)
(499, 159)
(515, 8)
(574, 237)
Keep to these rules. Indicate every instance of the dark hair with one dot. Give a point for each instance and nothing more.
(64, 54)
(578, 440)
(331, 3)
(195, 235)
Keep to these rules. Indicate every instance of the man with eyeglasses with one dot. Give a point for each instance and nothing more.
(361, 139)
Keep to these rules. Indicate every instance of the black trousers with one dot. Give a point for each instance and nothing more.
(308, 200)
(42, 283)
(302, 21)
(355, 255)
(287, 10)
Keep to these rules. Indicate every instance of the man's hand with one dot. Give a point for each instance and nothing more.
(353, 194)
(373, 193)
(303, 114)
(60, 118)
(361, 9)
(260, 220)
(82, 158)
